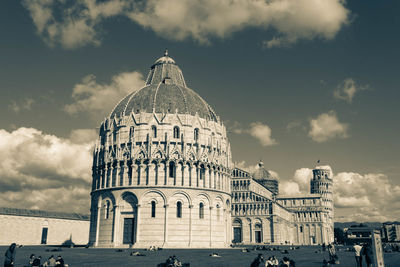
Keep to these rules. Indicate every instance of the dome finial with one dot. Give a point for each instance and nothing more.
(260, 163)
(166, 52)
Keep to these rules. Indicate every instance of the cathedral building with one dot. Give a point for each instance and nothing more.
(163, 176)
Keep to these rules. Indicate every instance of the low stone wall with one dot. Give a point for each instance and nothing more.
(28, 230)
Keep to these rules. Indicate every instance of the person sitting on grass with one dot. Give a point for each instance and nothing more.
(268, 263)
(30, 261)
(60, 261)
(51, 262)
(258, 262)
(214, 255)
(285, 262)
(137, 253)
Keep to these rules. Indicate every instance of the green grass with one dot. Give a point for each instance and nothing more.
(305, 256)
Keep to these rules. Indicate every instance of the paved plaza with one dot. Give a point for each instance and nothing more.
(305, 256)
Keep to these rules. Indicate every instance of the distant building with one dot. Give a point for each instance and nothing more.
(36, 227)
(260, 215)
(361, 233)
(391, 232)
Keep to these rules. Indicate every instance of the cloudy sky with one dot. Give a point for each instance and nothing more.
(294, 81)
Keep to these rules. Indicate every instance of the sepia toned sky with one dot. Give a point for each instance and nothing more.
(293, 80)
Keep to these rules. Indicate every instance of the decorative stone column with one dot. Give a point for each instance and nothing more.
(106, 176)
(211, 226)
(178, 174)
(134, 174)
(118, 175)
(206, 176)
(157, 173)
(125, 173)
(151, 177)
(98, 223)
(185, 175)
(138, 223)
(117, 216)
(142, 174)
(190, 225)
(197, 170)
(165, 224)
(112, 176)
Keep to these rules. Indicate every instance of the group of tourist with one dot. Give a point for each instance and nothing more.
(33, 261)
(272, 261)
(173, 261)
(363, 251)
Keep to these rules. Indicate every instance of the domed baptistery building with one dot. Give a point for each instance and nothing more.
(161, 169)
(162, 176)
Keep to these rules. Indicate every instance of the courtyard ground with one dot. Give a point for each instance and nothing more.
(305, 256)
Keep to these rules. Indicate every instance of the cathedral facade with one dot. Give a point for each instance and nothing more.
(163, 176)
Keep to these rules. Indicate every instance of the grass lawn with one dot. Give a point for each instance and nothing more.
(305, 256)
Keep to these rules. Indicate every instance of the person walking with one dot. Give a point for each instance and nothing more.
(357, 251)
(10, 256)
(368, 254)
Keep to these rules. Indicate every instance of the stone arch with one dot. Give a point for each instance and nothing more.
(155, 191)
(183, 193)
(206, 196)
(107, 195)
(128, 198)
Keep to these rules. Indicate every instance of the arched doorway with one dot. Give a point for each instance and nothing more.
(258, 232)
(129, 218)
(237, 231)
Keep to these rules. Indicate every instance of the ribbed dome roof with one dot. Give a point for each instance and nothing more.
(165, 92)
(262, 174)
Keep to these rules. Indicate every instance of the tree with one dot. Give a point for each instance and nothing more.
(339, 235)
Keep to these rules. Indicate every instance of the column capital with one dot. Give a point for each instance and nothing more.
(211, 207)
(190, 206)
(166, 206)
(137, 205)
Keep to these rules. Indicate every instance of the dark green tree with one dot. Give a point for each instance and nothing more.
(339, 235)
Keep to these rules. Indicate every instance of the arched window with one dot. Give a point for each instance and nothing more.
(201, 211)
(153, 209)
(107, 211)
(301, 229)
(178, 209)
(176, 132)
(202, 172)
(154, 131)
(196, 134)
(172, 169)
(218, 213)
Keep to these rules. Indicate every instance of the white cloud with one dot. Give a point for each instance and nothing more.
(289, 188)
(82, 136)
(72, 24)
(303, 177)
(24, 104)
(347, 89)
(98, 100)
(78, 23)
(258, 130)
(39, 170)
(366, 197)
(262, 132)
(327, 126)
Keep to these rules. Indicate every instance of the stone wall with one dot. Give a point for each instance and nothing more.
(28, 230)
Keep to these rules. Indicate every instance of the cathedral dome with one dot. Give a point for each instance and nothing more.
(165, 92)
(262, 174)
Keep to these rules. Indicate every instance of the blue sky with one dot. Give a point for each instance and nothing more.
(294, 82)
